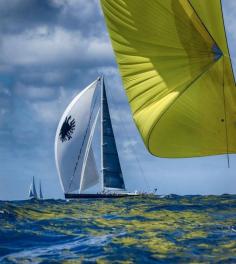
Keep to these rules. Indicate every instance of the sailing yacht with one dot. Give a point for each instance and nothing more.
(74, 153)
(32, 190)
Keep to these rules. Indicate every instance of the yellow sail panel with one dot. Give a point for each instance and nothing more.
(177, 76)
(189, 120)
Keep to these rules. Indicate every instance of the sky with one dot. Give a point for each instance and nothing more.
(49, 51)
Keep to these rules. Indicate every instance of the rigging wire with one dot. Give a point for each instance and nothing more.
(226, 128)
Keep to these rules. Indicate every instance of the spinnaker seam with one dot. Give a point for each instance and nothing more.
(181, 93)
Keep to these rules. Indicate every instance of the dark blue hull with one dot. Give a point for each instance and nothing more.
(96, 196)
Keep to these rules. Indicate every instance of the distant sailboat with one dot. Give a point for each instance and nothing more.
(32, 191)
(40, 191)
(74, 154)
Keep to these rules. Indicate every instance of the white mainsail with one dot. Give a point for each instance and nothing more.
(32, 190)
(72, 138)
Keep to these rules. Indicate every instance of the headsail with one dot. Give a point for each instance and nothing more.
(40, 191)
(32, 190)
(111, 170)
(89, 173)
(176, 69)
(72, 137)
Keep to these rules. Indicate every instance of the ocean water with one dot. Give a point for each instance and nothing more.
(173, 229)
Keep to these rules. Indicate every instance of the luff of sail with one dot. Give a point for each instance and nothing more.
(72, 137)
(111, 171)
(175, 65)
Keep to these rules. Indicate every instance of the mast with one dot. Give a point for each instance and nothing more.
(101, 107)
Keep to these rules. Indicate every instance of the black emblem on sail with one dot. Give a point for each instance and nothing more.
(67, 129)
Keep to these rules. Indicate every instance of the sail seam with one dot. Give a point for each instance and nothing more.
(151, 87)
(149, 43)
(181, 93)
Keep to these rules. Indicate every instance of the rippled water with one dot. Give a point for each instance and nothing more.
(174, 229)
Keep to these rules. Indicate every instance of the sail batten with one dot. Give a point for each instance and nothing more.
(164, 50)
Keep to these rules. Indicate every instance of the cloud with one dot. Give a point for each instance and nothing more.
(48, 112)
(35, 92)
(129, 149)
(51, 77)
(77, 9)
(4, 91)
(229, 8)
(58, 47)
(19, 15)
(3, 112)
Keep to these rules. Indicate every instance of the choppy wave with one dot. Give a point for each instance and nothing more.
(171, 229)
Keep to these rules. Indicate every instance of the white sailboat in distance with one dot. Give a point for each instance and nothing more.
(74, 154)
(32, 191)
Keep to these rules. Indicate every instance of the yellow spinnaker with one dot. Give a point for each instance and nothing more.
(175, 65)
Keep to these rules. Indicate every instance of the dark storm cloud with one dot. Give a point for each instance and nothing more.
(50, 49)
(17, 16)
(51, 42)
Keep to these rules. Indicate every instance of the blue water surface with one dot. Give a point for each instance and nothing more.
(171, 229)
